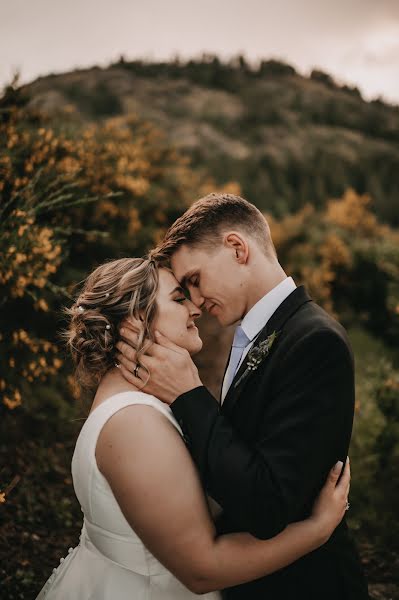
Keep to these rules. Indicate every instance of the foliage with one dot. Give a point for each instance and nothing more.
(348, 260)
(41, 517)
(69, 199)
(30, 250)
(375, 444)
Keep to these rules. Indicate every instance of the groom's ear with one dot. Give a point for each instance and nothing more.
(238, 244)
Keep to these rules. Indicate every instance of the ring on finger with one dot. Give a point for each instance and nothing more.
(136, 371)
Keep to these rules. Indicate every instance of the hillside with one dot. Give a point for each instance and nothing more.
(285, 138)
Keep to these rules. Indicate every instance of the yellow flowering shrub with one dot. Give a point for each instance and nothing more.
(72, 196)
(348, 260)
(30, 256)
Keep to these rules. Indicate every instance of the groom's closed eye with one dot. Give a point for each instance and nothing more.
(194, 280)
(191, 278)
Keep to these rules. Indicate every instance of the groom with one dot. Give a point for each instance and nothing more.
(286, 410)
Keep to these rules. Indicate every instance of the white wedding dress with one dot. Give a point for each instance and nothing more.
(110, 562)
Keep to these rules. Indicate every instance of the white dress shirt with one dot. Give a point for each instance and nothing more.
(256, 319)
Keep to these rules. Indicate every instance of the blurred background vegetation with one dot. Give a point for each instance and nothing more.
(96, 164)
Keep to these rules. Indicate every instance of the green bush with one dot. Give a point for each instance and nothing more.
(375, 445)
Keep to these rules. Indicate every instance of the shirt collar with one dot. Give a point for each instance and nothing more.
(256, 319)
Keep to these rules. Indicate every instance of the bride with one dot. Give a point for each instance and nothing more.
(147, 529)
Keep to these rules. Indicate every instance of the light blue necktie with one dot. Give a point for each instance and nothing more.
(240, 341)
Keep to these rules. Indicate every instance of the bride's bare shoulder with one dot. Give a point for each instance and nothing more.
(137, 428)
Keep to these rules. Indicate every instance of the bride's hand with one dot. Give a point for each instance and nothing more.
(331, 503)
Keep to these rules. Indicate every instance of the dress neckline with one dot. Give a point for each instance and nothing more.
(113, 397)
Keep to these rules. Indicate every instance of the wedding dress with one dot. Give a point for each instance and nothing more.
(110, 562)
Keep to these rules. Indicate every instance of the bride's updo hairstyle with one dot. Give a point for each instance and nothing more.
(115, 290)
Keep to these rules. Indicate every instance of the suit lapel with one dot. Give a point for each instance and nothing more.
(288, 308)
(276, 323)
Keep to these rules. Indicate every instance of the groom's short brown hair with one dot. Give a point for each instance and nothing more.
(203, 225)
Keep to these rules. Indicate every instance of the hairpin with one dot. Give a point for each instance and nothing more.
(107, 328)
(81, 309)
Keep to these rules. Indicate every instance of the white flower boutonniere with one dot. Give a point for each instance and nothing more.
(256, 355)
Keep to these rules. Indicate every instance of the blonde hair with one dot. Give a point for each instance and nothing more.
(113, 291)
(205, 222)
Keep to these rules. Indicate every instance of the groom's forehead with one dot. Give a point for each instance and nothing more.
(183, 272)
(184, 264)
(182, 260)
(187, 261)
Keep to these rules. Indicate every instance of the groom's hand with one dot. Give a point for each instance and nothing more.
(166, 371)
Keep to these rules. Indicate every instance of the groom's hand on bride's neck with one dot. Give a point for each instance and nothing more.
(166, 371)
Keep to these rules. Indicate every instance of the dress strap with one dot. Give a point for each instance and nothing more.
(100, 415)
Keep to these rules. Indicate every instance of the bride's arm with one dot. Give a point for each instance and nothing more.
(158, 489)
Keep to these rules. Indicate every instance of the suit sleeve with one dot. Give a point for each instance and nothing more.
(264, 486)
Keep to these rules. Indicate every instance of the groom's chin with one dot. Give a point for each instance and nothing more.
(225, 321)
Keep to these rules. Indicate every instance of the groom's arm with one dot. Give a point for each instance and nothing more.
(264, 486)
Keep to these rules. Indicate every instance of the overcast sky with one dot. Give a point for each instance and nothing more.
(357, 41)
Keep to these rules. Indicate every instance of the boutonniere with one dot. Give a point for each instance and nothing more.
(256, 355)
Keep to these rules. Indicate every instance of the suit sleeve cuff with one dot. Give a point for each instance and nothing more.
(194, 402)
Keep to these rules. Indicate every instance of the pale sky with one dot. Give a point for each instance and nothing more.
(356, 41)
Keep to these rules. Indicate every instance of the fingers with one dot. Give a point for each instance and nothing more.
(344, 482)
(129, 376)
(347, 490)
(127, 351)
(153, 349)
(127, 357)
(335, 473)
(122, 360)
(133, 324)
(128, 361)
(130, 335)
(343, 486)
(131, 338)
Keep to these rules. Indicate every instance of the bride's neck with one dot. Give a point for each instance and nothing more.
(112, 383)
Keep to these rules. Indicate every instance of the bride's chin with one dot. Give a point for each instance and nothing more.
(195, 347)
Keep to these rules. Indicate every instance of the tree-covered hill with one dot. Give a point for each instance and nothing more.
(287, 139)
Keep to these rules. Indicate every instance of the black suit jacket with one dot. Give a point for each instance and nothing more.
(265, 454)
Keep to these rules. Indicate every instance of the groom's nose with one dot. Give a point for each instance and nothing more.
(196, 297)
(195, 312)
